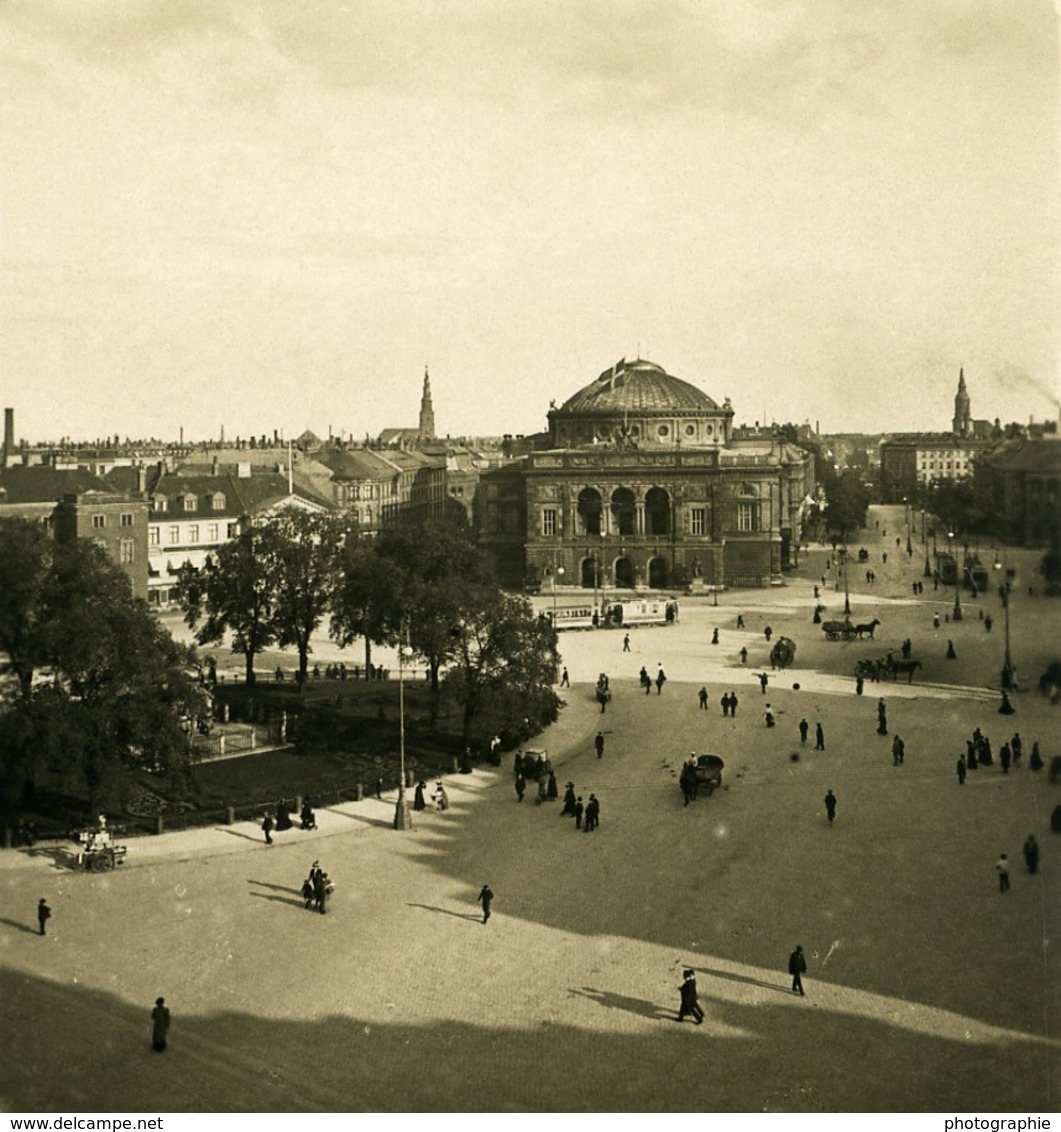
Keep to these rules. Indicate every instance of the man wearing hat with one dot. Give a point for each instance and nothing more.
(690, 1001)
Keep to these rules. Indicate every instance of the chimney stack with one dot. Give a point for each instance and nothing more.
(9, 435)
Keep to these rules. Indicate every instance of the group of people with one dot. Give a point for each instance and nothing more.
(586, 815)
(1030, 849)
(646, 680)
(540, 769)
(316, 888)
(282, 820)
(439, 797)
(978, 753)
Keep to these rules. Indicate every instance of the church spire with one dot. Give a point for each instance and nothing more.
(427, 412)
(962, 423)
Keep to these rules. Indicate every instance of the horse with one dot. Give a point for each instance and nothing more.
(907, 666)
(870, 628)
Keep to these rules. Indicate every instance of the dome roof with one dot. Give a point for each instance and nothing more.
(638, 387)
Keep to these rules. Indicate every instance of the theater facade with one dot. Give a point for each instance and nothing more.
(639, 484)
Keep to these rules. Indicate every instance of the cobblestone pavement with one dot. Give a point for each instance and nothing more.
(927, 988)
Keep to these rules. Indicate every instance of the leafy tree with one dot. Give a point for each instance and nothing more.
(847, 503)
(364, 597)
(437, 575)
(25, 566)
(235, 592)
(504, 666)
(303, 549)
(119, 693)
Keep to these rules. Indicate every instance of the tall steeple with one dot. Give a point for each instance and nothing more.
(962, 412)
(427, 413)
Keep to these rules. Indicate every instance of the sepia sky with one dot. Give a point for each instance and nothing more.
(272, 215)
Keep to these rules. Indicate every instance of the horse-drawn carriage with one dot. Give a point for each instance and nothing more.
(98, 852)
(708, 773)
(783, 652)
(846, 631)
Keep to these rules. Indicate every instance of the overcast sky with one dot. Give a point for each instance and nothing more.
(272, 215)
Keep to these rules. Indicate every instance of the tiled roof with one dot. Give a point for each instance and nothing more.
(1041, 455)
(638, 387)
(356, 464)
(42, 484)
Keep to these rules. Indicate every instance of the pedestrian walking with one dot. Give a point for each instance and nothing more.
(702, 695)
(743, 655)
(626, 643)
(768, 716)
(1018, 749)
(797, 967)
(763, 681)
(580, 809)
(159, 1025)
(1002, 868)
(687, 779)
(44, 914)
(320, 889)
(690, 1002)
(1031, 853)
(733, 705)
(804, 727)
(951, 654)
(768, 633)
(485, 897)
(961, 770)
(935, 621)
(661, 679)
(598, 743)
(725, 704)
(882, 719)
(267, 828)
(552, 790)
(565, 680)
(859, 685)
(543, 790)
(521, 786)
(419, 801)
(569, 801)
(592, 813)
(830, 806)
(819, 737)
(740, 620)
(1004, 757)
(898, 751)
(714, 637)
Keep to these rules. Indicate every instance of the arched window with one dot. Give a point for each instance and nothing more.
(657, 512)
(624, 511)
(590, 510)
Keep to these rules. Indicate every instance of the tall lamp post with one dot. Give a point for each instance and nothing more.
(928, 568)
(956, 615)
(909, 511)
(558, 572)
(847, 595)
(1008, 682)
(402, 817)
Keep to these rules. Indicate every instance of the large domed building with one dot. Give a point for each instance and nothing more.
(640, 484)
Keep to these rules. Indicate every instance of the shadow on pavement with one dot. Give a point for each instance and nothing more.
(18, 926)
(623, 1002)
(446, 911)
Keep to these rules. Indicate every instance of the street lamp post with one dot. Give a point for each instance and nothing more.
(908, 512)
(928, 568)
(956, 615)
(402, 817)
(847, 595)
(558, 572)
(1008, 682)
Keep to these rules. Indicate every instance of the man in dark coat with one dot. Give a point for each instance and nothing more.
(690, 1003)
(580, 809)
(804, 727)
(830, 806)
(521, 786)
(159, 1025)
(733, 704)
(592, 813)
(797, 967)
(702, 694)
(1031, 853)
(961, 770)
(485, 896)
(661, 679)
(598, 744)
(898, 751)
(569, 800)
(267, 828)
(44, 914)
(819, 737)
